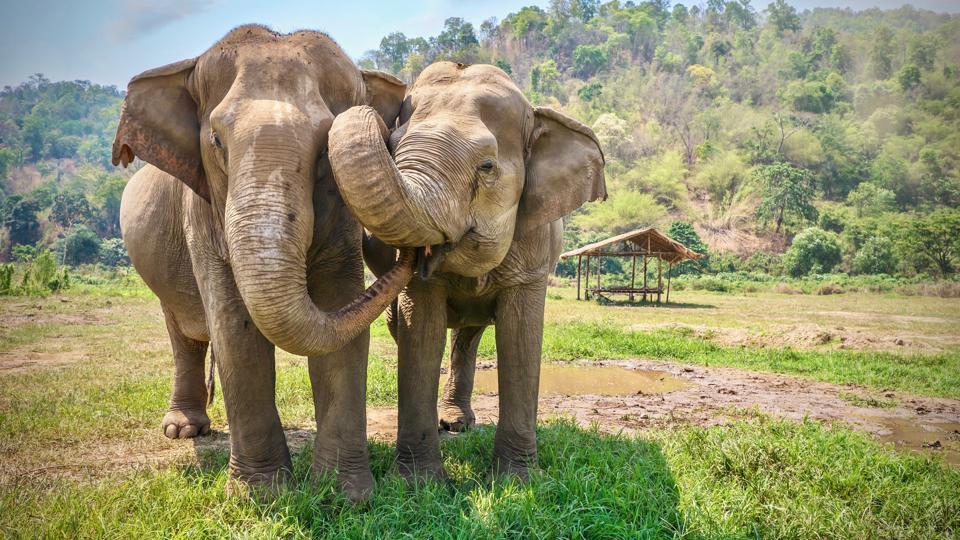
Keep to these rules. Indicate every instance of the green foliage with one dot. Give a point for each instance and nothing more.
(81, 245)
(875, 257)
(786, 191)
(937, 239)
(909, 77)
(683, 232)
(545, 79)
(42, 276)
(869, 199)
(813, 251)
(588, 60)
(113, 253)
(6, 279)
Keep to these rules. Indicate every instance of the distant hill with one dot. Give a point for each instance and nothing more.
(752, 123)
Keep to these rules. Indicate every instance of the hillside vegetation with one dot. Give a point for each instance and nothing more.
(793, 142)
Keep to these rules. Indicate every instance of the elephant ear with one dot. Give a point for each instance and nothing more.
(159, 124)
(564, 169)
(385, 94)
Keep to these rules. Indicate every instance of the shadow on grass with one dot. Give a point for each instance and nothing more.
(589, 484)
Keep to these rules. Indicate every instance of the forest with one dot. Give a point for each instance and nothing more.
(776, 142)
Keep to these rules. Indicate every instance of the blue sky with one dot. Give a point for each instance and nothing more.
(109, 41)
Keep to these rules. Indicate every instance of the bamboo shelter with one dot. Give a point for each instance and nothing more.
(647, 244)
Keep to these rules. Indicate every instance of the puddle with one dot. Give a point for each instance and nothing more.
(572, 380)
(942, 439)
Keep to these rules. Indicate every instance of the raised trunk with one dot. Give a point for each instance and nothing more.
(398, 207)
(269, 227)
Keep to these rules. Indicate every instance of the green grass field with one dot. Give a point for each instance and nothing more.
(86, 378)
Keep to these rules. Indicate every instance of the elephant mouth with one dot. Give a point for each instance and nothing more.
(429, 258)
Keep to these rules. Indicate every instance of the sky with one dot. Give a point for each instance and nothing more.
(109, 41)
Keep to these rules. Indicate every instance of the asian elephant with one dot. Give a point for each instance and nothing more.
(237, 226)
(478, 183)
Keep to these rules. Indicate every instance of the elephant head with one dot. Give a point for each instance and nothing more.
(245, 126)
(474, 166)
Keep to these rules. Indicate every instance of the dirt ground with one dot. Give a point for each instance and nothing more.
(703, 396)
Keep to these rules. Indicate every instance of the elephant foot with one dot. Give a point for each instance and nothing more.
(511, 468)
(185, 423)
(356, 486)
(457, 419)
(263, 487)
(420, 471)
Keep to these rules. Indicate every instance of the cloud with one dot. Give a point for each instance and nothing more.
(142, 16)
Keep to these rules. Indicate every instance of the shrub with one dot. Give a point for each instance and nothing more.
(875, 257)
(814, 251)
(829, 288)
(6, 278)
(114, 253)
(42, 275)
(82, 246)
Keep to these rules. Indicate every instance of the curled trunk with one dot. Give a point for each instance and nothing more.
(269, 227)
(399, 207)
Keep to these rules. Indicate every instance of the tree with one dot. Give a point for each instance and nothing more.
(937, 239)
(457, 40)
(683, 232)
(545, 79)
(881, 53)
(113, 253)
(394, 49)
(908, 77)
(786, 191)
(19, 216)
(814, 251)
(783, 17)
(69, 208)
(81, 246)
(876, 256)
(870, 199)
(922, 51)
(588, 60)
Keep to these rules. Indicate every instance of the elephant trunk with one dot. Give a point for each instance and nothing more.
(269, 228)
(401, 207)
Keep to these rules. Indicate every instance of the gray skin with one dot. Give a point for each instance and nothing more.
(237, 226)
(479, 183)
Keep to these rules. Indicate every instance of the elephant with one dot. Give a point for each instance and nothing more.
(477, 180)
(237, 226)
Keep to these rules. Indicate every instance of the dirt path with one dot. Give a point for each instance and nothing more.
(716, 395)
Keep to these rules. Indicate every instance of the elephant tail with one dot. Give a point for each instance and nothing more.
(210, 379)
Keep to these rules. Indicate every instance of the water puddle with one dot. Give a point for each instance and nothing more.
(941, 439)
(573, 380)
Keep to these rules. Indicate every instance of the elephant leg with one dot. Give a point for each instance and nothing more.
(519, 328)
(259, 456)
(421, 332)
(187, 416)
(455, 411)
(339, 382)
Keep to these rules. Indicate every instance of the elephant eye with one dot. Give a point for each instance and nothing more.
(486, 166)
(216, 140)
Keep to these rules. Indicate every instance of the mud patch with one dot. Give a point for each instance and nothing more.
(581, 380)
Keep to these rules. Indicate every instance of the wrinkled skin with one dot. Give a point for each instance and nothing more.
(479, 182)
(237, 226)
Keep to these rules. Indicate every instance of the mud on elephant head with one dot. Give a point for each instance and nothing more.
(474, 166)
(245, 126)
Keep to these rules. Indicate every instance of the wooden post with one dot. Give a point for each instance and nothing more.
(659, 277)
(645, 260)
(586, 280)
(580, 267)
(644, 278)
(599, 258)
(669, 275)
(633, 275)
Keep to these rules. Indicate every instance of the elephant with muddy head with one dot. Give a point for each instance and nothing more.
(237, 225)
(477, 182)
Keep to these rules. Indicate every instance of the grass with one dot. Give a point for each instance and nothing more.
(757, 478)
